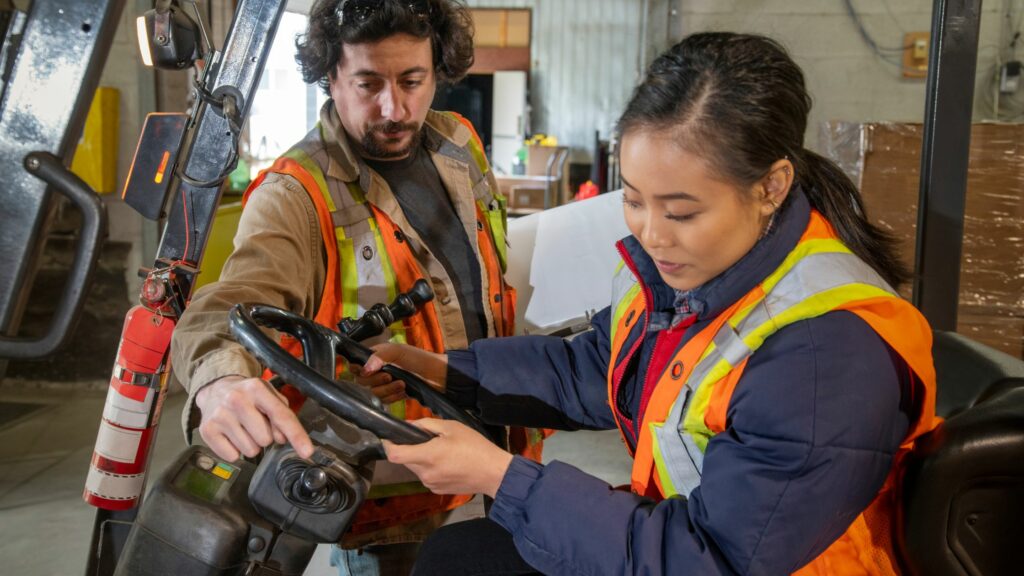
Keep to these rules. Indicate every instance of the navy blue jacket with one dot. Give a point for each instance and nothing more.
(812, 428)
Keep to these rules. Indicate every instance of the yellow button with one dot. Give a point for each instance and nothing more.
(223, 471)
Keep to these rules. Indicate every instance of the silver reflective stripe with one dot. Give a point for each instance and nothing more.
(730, 346)
(684, 460)
(814, 274)
(808, 278)
(622, 282)
(373, 287)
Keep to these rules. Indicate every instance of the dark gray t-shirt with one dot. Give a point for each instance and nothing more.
(417, 186)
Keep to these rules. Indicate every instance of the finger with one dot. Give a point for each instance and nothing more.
(240, 438)
(220, 444)
(402, 454)
(379, 379)
(279, 437)
(256, 426)
(392, 450)
(281, 397)
(390, 389)
(284, 420)
(394, 398)
(374, 364)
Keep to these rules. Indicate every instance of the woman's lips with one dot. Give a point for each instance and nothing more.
(668, 267)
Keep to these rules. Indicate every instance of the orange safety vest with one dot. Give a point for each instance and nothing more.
(369, 260)
(691, 398)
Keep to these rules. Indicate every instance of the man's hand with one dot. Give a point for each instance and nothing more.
(244, 415)
(430, 366)
(382, 385)
(458, 461)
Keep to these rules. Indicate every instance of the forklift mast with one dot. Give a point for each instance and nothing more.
(208, 152)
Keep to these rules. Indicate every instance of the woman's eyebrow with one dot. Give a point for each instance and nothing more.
(679, 195)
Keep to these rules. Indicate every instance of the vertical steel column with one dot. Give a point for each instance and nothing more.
(944, 158)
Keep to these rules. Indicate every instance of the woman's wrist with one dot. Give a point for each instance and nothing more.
(497, 474)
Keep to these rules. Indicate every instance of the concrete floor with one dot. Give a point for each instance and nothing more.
(45, 449)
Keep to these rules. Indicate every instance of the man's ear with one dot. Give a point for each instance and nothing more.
(776, 184)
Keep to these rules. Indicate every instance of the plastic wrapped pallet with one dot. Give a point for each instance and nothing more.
(884, 160)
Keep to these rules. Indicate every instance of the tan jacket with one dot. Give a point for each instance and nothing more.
(279, 259)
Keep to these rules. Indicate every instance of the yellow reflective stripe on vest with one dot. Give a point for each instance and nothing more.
(492, 203)
(313, 168)
(364, 281)
(815, 279)
(625, 289)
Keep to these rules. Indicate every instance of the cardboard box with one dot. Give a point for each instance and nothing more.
(884, 160)
(1004, 333)
(525, 193)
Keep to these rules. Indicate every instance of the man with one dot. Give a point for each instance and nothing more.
(382, 192)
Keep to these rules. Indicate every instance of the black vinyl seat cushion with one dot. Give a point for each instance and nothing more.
(962, 510)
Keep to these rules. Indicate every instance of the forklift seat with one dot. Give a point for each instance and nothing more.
(962, 491)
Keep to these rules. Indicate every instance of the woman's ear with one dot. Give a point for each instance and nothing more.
(776, 184)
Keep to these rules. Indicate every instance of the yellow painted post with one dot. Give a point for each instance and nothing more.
(95, 159)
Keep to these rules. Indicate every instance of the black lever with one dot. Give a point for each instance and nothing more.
(375, 320)
(51, 170)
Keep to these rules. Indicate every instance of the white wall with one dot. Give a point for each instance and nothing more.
(845, 78)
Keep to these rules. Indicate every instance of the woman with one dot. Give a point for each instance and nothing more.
(755, 357)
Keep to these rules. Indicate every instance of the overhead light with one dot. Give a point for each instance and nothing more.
(168, 38)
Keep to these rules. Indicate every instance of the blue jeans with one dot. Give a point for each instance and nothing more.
(378, 560)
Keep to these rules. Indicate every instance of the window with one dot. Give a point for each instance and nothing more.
(285, 108)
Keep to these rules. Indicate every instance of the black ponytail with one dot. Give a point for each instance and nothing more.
(831, 192)
(739, 102)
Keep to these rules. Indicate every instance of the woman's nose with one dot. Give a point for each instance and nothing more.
(655, 233)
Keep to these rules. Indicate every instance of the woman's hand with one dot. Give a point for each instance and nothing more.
(458, 461)
(430, 366)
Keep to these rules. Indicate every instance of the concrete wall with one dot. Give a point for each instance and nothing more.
(847, 80)
(585, 60)
(134, 82)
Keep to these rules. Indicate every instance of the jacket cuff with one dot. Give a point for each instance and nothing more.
(510, 501)
(461, 380)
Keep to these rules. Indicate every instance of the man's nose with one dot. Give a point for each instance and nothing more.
(392, 104)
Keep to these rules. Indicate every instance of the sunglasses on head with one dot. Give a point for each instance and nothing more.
(355, 12)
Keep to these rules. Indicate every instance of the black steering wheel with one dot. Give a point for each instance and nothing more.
(315, 377)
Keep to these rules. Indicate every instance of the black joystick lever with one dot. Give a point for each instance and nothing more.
(375, 320)
(313, 480)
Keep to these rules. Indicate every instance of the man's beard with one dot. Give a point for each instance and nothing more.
(375, 148)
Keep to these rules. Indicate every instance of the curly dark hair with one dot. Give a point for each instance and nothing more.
(739, 102)
(448, 25)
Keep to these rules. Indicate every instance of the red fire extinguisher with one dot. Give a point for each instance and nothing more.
(131, 413)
